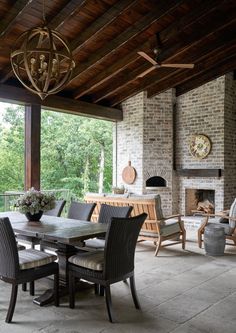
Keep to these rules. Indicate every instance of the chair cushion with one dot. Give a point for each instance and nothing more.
(91, 260)
(170, 228)
(33, 258)
(95, 243)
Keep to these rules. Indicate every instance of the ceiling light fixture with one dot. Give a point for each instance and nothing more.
(42, 60)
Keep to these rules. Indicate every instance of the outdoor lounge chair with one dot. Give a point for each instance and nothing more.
(227, 221)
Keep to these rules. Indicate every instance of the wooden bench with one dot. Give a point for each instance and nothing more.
(153, 227)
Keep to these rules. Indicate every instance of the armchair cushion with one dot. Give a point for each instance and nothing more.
(33, 258)
(91, 260)
(170, 228)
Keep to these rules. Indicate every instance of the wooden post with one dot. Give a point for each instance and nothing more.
(32, 146)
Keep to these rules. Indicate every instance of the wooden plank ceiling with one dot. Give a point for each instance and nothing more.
(106, 35)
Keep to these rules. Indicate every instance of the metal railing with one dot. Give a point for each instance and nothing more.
(8, 197)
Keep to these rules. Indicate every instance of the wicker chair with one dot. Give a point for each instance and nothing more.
(23, 266)
(81, 210)
(53, 212)
(105, 216)
(114, 264)
(60, 204)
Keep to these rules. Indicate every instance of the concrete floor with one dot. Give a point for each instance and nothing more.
(180, 291)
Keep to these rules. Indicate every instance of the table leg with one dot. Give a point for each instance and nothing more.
(64, 252)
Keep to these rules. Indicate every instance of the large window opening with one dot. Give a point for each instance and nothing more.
(76, 153)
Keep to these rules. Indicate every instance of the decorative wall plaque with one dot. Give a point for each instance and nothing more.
(199, 146)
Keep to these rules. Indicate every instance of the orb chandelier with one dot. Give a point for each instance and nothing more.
(42, 61)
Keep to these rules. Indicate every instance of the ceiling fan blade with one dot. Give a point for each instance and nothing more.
(178, 65)
(146, 56)
(147, 71)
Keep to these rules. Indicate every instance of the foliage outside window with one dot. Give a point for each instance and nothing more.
(76, 153)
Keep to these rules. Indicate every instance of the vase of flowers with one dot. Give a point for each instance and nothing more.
(33, 203)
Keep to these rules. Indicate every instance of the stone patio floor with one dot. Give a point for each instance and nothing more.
(179, 291)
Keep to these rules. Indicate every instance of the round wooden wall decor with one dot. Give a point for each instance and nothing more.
(129, 174)
(199, 146)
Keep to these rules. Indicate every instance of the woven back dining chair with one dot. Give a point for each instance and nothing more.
(23, 266)
(107, 212)
(57, 210)
(114, 264)
(81, 210)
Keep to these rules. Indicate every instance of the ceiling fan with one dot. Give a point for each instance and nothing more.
(156, 64)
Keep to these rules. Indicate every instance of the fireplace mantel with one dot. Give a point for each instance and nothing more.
(200, 172)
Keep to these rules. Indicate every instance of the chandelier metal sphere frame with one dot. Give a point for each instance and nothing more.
(42, 61)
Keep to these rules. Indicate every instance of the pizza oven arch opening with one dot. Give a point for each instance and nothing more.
(153, 183)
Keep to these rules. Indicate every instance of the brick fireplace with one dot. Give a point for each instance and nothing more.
(155, 133)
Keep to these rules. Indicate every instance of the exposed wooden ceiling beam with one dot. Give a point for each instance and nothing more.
(61, 104)
(225, 66)
(182, 42)
(164, 7)
(125, 78)
(54, 24)
(65, 13)
(188, 19)
(210, 54)
(184, 46)
(204, 62)
(13, 15)
(101, 23)
(110, 72)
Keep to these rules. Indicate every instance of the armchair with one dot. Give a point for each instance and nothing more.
(226, 219)
(163, 228)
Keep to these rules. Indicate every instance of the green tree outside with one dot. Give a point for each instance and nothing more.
(76, 152)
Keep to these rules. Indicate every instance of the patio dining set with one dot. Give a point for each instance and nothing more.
(100, 252)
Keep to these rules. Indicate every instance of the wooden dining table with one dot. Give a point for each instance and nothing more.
(65, 233)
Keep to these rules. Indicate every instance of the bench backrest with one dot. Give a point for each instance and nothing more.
(140, 205)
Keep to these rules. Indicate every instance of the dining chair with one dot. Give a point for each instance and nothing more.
(81, 210)
(114, 264)
(107, 212)
(20, 267)
(57, 210)
(78, 211)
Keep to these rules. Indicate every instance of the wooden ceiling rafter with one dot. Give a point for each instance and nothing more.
(100, 24)
(110, 72)
(121, 40)
(226, 65)
(179, 49)
(105, 37)
(187, 20)
(13, 15)
(56, 22)
(178, 77)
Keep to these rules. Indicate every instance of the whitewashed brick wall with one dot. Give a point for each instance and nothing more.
(145, 136)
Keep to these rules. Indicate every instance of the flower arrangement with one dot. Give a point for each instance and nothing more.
(34, 201)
